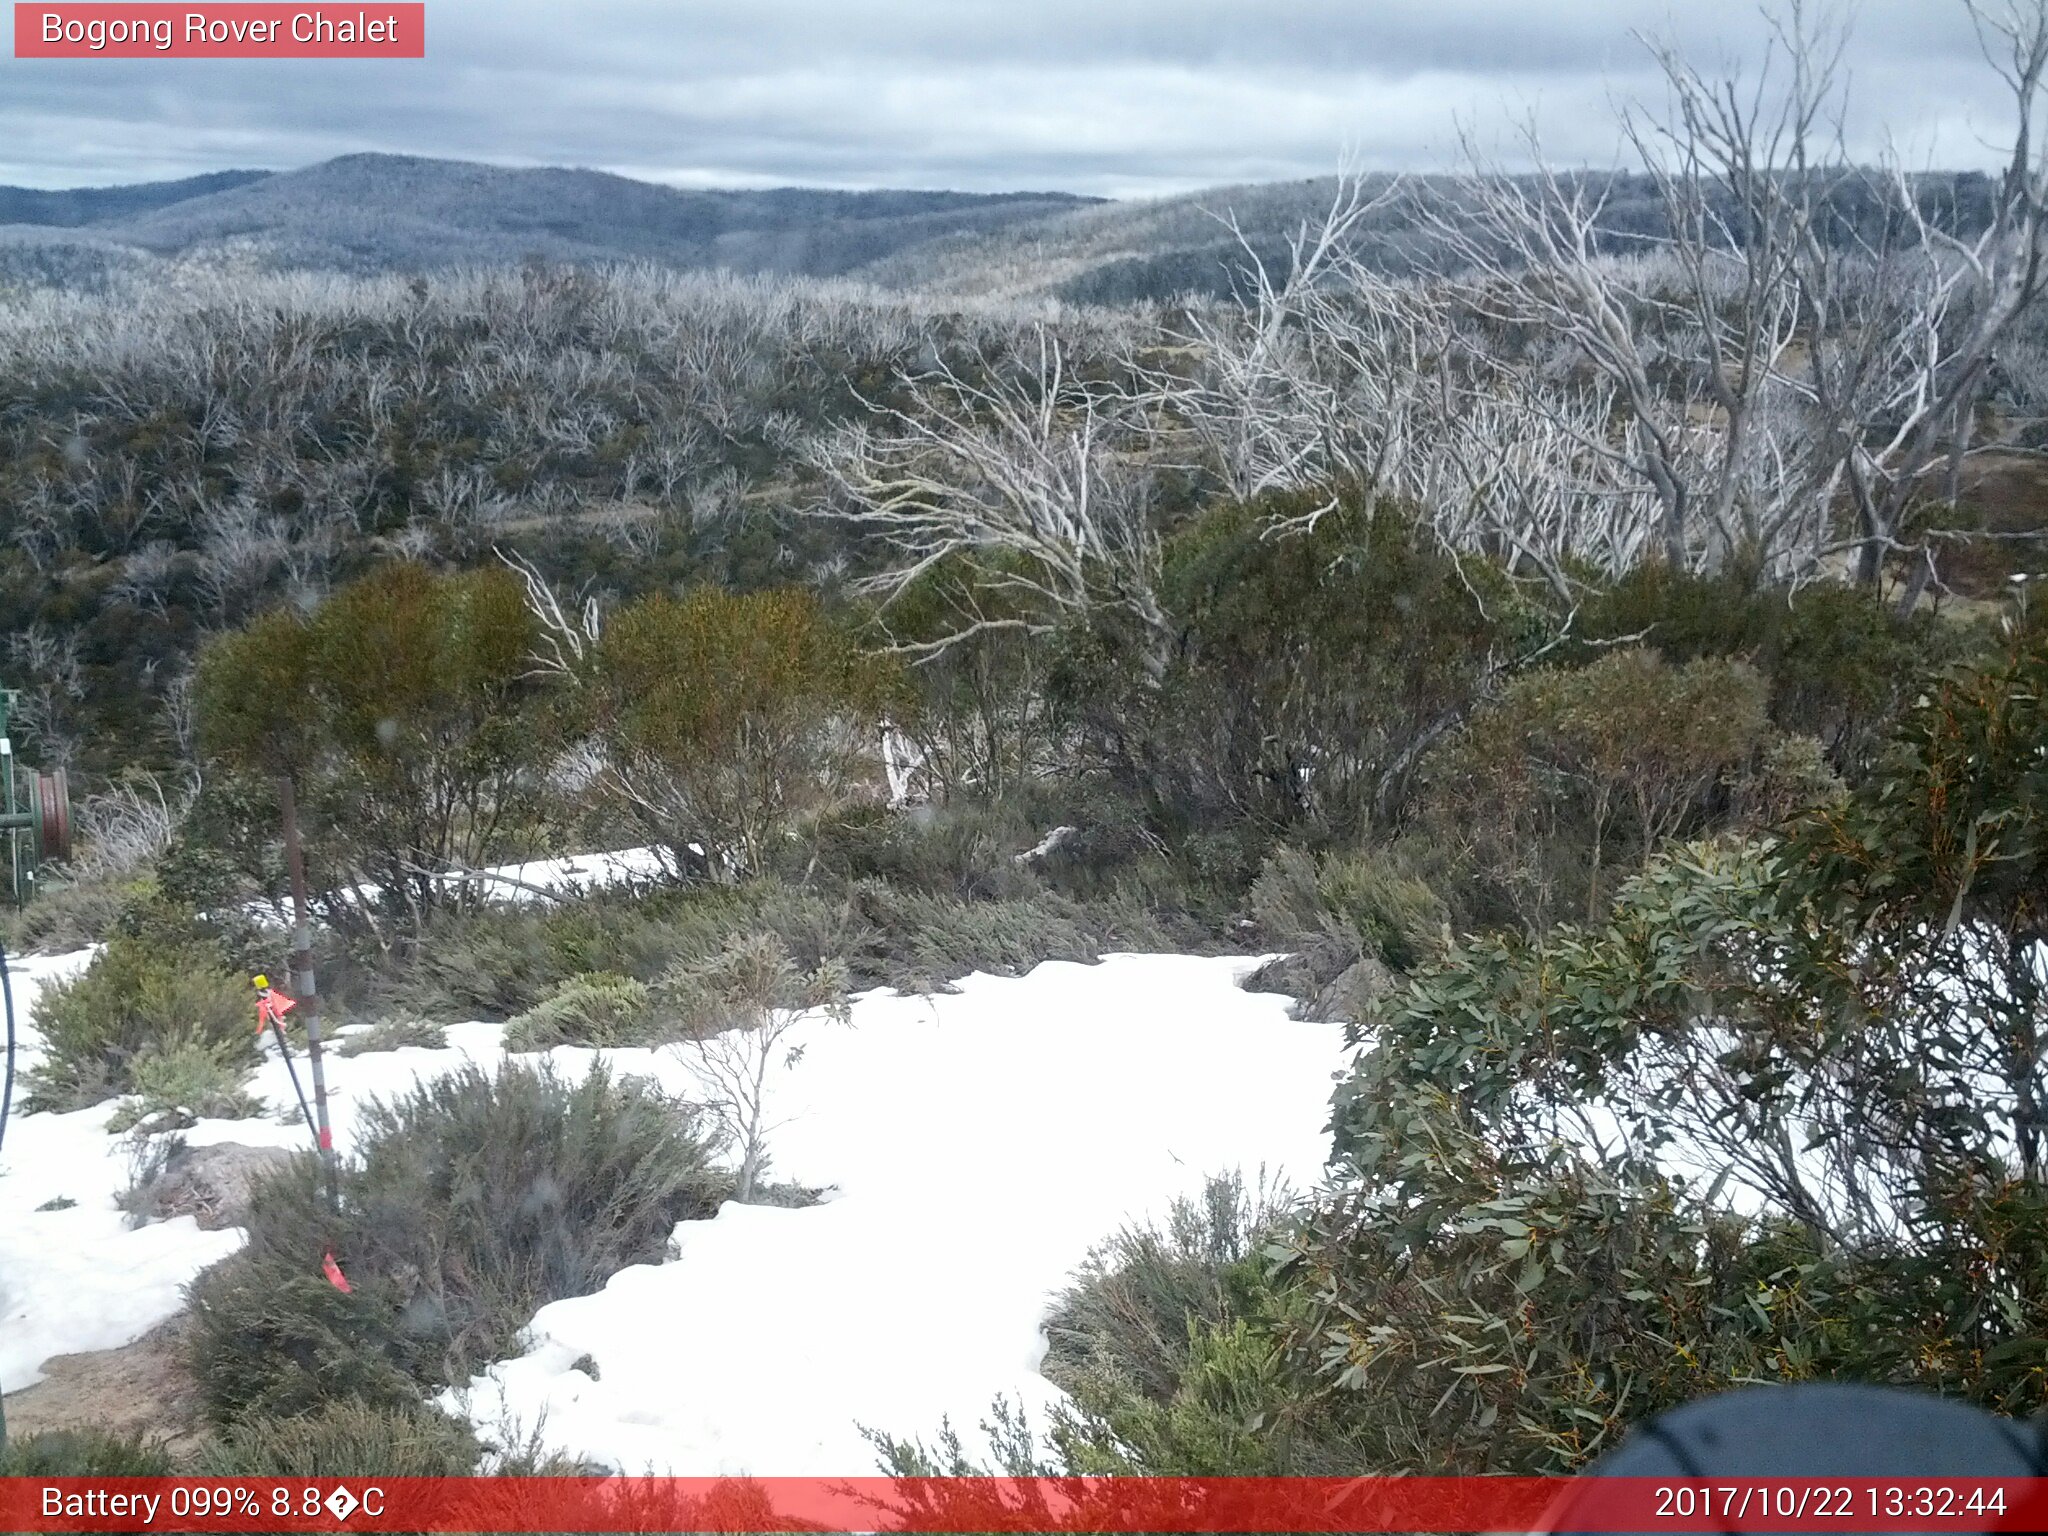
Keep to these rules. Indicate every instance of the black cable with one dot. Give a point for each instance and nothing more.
(7, 1092)
(305, 1109)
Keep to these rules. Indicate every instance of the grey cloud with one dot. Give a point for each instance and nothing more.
(1117, 97)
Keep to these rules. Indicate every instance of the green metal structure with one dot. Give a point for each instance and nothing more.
(35, 814)
(35, 824)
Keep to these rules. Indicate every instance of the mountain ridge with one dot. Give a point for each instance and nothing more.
(405, 213)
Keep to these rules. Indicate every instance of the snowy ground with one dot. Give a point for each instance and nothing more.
(78, 1278)
(977, 1146)
(974, 1146)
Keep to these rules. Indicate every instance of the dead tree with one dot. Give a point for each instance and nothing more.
(1017, 475)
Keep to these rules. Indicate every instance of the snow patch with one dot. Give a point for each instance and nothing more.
(976, 1145)
(77, 1278)
(973, 1146)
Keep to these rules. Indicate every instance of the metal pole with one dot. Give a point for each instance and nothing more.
(304, 988)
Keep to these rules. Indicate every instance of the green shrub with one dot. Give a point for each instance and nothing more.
(473, 1201)
(1310, 669)
(136, 995)
(1838, 664)
(482, 965)
(1763, 1004)
(271, 1339)
(924, 942)
(965, 850)
(507, 962)
(1488, 1310)
(1361, 903)
(82, 1453)
(406, 709)
(67, 917)
(500, 962)
(729, 715)
(1395, 917)
(189, 1072)
(1573, 776)
(1286, 901)
(346, 1439)
(395, 1034)
(598, 1009)
(1129, 1309)
(1171, 1347)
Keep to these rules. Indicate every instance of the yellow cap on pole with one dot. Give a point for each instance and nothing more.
(262, 982)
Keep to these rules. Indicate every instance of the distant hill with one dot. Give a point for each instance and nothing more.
(400, 213)
(377, 213)
(80, 206)
(1160, 249)
(1113, 253)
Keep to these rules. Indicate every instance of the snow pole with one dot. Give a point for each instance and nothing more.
(271, 1007)
(304, 983)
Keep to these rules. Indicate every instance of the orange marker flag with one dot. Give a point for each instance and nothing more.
(335, 1277)
(271, 1004)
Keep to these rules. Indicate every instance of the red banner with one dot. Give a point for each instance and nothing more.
(926, 1505)
(101, 31)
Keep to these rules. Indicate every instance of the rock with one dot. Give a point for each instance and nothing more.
(1299, 975)
(145, 1388)
(210, 1183)
(165, 1120)
(1349, 999)
(1330, 984)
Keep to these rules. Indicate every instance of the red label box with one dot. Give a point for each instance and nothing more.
(371, 30)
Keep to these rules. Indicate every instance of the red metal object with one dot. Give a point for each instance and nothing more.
(53, 806)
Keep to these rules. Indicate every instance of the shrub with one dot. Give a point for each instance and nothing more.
(1573, 776)
(1129, 1309)
(398, 1034)
(82, 1453)
(67, 917)
(924, 942)
(1820, 1024)
(271, 1339)
(136, 995)
(726, 715)
(406, 711)
(473, 1201)
(1363, 903)
(346, 1439)
(1495, 1312)
(1171, 1347)
(967, 850)
(597, 1009)
(740, 1004)
(977, 708)
(501, 961)
(489, 964)
(1313, 667)
(188, 1072)
(1395, 917)
(881, 934)
(1837, 664)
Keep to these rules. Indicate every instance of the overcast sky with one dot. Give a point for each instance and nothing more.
(1112, 97)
